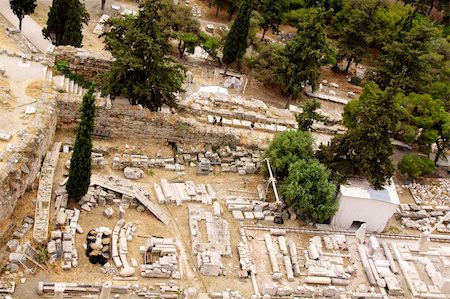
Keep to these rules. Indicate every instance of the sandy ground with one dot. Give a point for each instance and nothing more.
(6, 41)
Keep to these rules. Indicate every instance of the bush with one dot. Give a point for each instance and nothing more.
(416, 166)
(355, 81)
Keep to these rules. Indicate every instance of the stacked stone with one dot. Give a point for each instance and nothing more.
(244, 209)
(166, 266)
(424, 217)
(209, 263)
(27, 224)
(62, 243)
(227, 293)
(98, 160)
(183, 192)
(436, 194)
(162, 290)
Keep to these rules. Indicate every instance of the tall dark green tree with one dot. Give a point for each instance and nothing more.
(236, 42)
(402, 61)
(80, 163)
(21, 8)
(272, 14)
(142, 71)
(365, 149)
(302, 57)
(355, 28)
(65, 23)
(309, 115)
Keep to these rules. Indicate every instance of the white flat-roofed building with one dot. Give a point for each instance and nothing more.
(360, 203)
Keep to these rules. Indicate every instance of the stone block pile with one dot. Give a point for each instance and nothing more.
(160, 258)
(62, 241)
(436, 193)
(227, 293)
(170, 290)
(184, 192)
(424, 217)
(245, 209)
(27, 224)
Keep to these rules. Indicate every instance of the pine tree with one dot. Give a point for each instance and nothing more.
(65, 22)
(80, 163)
(236, 42)
(142, 71)
(21, 8)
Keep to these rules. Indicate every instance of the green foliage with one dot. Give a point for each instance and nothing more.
(211, 45)
(42, 254)
(80, 163)
(309, 115)
(21, 8)
(264, 64)
(236, 42)
(416, 166)
(424, 121)
(356, 80)
(287, 148)
(402, 63)
(302, 57)
(177, 20)
(65, 23)
(355, 28)
(142, 70)
(272, 14)
(308, 189)
(365, 149)
(64, 67)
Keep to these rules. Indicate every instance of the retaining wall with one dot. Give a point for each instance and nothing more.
(20, 170)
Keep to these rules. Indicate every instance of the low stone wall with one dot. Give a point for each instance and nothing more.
(20, 170)
(88, 65)
(126, 121)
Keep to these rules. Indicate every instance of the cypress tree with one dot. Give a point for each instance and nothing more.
(21, 8)
(236, 42)
(65, 22)
(80, 163)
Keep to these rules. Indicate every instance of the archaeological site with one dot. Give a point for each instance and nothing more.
(210, 175)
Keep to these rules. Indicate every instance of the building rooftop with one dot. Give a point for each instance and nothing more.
(361, 188)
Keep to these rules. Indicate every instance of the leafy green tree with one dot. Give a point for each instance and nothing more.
(65, 23)
(308, 189)
(264, 64)
(21, 8)
(178, 21)
(272, 14)
(211, 45)
(302, 57)
(416, 166)
(425, 122)
(236, 42)
(287, 148)
(142, 71)
(365, 149)
(80, 163)
(402, 61)
(309, 115)
(355, 28)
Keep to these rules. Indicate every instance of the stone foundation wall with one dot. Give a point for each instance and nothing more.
(88, 65)
(20, 170)
(126, 121)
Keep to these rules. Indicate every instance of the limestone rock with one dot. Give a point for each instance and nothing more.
(133, 173)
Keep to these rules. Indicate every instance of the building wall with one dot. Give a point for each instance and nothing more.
(375, 213)
(20, 170)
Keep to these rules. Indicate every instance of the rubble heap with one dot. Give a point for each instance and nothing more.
(423, 217)
(436, 194)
